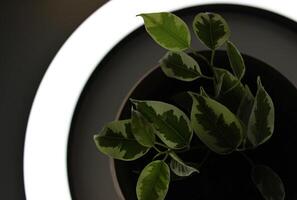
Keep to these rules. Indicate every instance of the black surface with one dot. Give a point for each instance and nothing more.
(31, 34)
(261, 34)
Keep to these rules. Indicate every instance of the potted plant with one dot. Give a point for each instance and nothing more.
(209, 113)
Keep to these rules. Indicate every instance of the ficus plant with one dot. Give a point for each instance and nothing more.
(230, 119)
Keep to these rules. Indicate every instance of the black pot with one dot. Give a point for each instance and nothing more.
(222, 177)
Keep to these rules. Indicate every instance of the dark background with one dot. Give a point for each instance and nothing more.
(31, 33)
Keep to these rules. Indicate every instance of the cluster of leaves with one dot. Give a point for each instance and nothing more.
(231, 119)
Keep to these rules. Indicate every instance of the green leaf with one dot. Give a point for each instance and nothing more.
(218, 83)
(180, 168)
(244, 113)
(215, 125)
(153, 182)
(236, 60)
(246, 105)
(117, 141)
(211, 29)
(230, 82)
(181, 66)
(261, 121)
(171, 124)
(202, 92)
(168, 30)
(142, 129)
(232, 90)
(268, 183)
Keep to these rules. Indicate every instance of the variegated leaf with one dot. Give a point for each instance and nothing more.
(180, 65)
(236, 60)
(179, 167)
(211, 29)
(232, 90)
(268, 183)
(215, 125)
(117, 141)
(243, 113)
(153, 182)
(218, 83)
(261, 121)
(142, 130)
(168, 30)
(246, 104)
(171, 124)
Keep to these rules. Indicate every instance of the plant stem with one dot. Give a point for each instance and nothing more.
(250, 161)
(232, 87)
(183, 150)
(207, 77)
(157, 155)
(156, 149)
(209, 63)
(160, 152)
(162, 145)
(190, 149)
(199, 55)
(166, 156)
(212, 57)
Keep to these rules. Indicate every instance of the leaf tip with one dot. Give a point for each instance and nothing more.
(95, 137)
(133, 101)
(259, 82)
(192, 94)
(203, 92)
